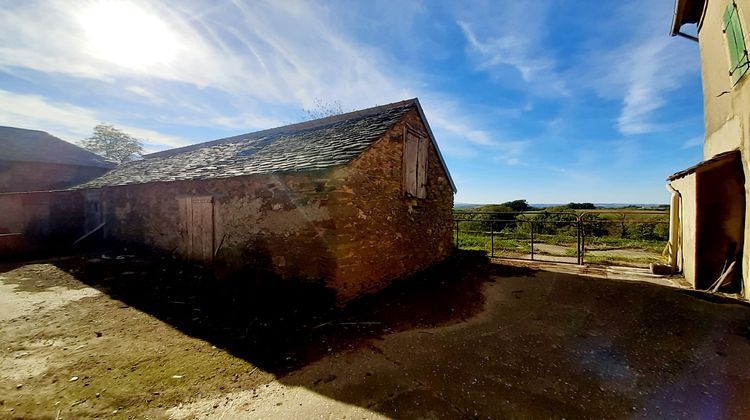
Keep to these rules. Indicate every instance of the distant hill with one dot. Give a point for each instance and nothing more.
(465, 205)
(607, 205)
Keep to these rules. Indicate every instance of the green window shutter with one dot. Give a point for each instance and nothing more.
(739, 63)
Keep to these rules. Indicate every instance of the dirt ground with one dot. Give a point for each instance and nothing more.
(128, 336)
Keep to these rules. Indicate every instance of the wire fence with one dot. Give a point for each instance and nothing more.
(614, 237)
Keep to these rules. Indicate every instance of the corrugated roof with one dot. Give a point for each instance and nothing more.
(731, 154)
(306, 146)
(18, 144)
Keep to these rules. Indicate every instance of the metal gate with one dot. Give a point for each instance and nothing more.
(563, 236)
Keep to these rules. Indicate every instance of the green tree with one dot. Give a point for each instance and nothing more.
(113, 144)
(581, 206)
(518, 205)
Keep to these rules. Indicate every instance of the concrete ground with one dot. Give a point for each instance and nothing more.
(150, 338)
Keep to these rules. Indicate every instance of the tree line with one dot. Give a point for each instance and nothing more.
(509, 218)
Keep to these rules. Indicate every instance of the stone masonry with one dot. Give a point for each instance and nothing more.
(350, 228)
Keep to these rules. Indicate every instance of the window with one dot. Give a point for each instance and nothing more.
(416, 148)
(738, 57)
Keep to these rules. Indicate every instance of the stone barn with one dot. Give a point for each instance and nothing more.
(352, 201)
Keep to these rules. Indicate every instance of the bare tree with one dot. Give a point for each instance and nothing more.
(113, 144)
(322, 109)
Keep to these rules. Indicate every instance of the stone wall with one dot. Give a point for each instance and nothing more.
(280, 223)
(36, 176)
(350, 228)
(383, 234)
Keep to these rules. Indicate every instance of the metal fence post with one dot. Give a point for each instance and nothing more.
(578, 244)
(492, 239)
(532, 240)
(583, 241)
(457, 221)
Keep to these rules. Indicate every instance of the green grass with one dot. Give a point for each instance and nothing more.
(612, 242)
(619, 260)
(519, 244)
(481, 242)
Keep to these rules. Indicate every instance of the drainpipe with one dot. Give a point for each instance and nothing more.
(674, 226)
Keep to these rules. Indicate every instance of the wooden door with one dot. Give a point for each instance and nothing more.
(93, 214)
(197, 228)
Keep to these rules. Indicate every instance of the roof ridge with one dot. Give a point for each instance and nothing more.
(300, 126)
(26, 129)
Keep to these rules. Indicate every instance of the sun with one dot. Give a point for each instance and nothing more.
(125, 34)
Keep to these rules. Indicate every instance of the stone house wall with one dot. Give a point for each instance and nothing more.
(350, 227)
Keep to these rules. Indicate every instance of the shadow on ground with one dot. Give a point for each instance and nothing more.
(465, 339)
(280, 325)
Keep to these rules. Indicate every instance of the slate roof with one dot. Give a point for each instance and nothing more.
(311, 145)
(18, 144)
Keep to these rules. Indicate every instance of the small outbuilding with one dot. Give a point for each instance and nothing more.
(351, 201)
(32, 160)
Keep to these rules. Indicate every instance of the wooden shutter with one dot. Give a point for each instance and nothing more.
(738, 56)
(422, 167)
(411, 155)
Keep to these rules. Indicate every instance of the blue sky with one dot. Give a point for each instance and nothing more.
(551, 101)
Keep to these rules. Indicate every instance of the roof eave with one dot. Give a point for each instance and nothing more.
(708, 163)
(686, 11)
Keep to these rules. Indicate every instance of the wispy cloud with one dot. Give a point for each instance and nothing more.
(70, 122)
(518, 44)
(555, 81)
(304, 61)
(464, 135)
(641, 70)
(654, 69)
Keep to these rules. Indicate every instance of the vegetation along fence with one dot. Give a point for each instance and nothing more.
(614, 237)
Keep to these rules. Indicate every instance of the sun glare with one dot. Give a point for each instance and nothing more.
(126, 34)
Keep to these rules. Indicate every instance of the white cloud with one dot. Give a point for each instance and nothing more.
(640, 71)
(70, 122)
(237, 65)
(463, 135)
(517, 43)
(284, 52)
(653, 70)
(507, 49)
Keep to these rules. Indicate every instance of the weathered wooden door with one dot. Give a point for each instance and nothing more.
(93, 214)
(197, 228)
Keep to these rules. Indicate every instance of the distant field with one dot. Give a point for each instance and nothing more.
(604, 250)
(629, 236)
